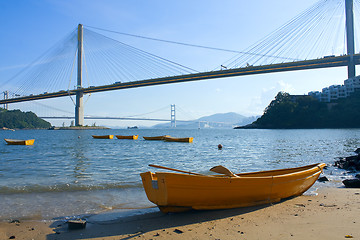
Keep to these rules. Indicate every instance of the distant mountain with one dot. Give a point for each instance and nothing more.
(219, 120)
(230, 117)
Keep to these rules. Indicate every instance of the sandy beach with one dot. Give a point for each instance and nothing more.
(332, 214)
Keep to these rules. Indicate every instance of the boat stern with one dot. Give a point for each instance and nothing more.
(30, 142)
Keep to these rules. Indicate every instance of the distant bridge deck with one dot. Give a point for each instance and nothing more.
(118, 118)
(338, 61)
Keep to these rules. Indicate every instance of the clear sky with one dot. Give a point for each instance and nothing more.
(30, 27)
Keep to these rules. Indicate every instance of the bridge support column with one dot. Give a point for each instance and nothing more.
(350, 36)
(79, 108)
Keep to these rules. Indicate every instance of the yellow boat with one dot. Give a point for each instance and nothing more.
(103, 136)
(173, 139)
(134, 137)
(176, 192)
(19, 142)
(156, 138)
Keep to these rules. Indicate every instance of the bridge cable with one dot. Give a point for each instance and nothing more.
(291, 37)
(185, 44)
(158, 110)
(71, 74)
(51, 107)
(116, 61)
(42, 72)
(87, 78)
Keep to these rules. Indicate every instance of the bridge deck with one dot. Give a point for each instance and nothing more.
(338, 61)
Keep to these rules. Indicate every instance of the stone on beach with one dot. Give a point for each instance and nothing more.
(323, 179)
(76, 224)
(357, 151)
(352, 183)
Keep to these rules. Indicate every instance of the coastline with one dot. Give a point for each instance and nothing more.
(332, 214)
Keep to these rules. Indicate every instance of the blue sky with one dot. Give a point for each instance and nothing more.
(30, 27)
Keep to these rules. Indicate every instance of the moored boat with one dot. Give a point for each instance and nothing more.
(174, 192)
(174, 139)
(103, 136)
(19, 142)
(156, 137)
(134, 137)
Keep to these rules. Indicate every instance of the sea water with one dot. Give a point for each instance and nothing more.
(69, 173)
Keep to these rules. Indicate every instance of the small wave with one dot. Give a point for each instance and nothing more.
(64, 188)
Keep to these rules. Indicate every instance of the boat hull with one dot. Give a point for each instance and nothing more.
(134, 137)
(174, 192)
(103, 136)
(157, 138)
(173, 139)
(19, 142)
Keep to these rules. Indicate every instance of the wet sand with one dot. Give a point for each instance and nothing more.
(333, 214)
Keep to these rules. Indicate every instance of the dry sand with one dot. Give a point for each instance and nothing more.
(333, 214)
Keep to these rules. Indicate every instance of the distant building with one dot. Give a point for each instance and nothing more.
(342, 92)
(352, 84)
(325, 95)
(335, 92)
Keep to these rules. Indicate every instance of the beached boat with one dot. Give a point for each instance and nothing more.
(173, 139)
(175, 192)
(134, 137)
(20, 142)
(156, 138)
(103, 136)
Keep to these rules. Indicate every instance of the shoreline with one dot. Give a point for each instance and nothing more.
(332, 214)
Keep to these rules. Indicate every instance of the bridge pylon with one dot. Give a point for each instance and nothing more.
(6, 96)
(349, 12)
(79, 108)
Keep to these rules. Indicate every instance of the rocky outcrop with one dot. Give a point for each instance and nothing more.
(351, 163)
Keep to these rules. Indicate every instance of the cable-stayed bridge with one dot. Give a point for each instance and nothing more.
(321, 37)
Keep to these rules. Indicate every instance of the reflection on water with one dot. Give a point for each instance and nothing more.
(81, 161)
(98, 174)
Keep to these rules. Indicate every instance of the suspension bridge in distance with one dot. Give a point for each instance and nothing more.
(172, 119)
(349, 60)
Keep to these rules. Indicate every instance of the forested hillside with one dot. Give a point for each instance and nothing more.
(286, 111)
(17, 119)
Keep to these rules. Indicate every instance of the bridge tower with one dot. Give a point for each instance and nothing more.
(6, 96)
(173, 118)
(79, 108)
(349, 4)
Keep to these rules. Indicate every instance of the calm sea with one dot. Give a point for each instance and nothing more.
(68, 173)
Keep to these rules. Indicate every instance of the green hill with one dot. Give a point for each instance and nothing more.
(17, 119)
(287, 111)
